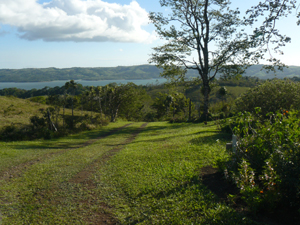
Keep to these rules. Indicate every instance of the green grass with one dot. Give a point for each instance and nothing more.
(236, 91)
(156, 179)
(15, 110)
(18, 111)
(42, 191)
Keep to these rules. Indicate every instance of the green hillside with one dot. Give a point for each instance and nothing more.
(17, 111)
(118, 73)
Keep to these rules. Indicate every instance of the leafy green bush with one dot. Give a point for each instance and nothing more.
(270, 96)
(266, 165)
(38, 99)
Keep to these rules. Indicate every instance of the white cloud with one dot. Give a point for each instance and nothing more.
(76, 20)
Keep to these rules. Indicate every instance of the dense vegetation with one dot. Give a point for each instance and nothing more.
(264, 167)
(139, 103)
(266, 162)
(118, 73)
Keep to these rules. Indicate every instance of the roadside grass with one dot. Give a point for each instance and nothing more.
(157, 178)
(41, 193)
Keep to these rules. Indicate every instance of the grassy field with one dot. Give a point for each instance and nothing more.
(15, 110)
(18, 111)
(125, 173)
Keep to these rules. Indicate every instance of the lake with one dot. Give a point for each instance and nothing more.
(40, 85)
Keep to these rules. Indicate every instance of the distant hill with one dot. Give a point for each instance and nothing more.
(117, 73)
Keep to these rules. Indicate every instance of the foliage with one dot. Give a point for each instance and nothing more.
(38, 99)
(168, 106)
(266, 35)
(195, 26)
(270, 96)
(270, 150)
(125, 100)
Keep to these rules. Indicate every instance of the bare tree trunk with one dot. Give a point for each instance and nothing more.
(91, 111)
(57, 114)
(190, 110)
(206, 93)
(114, 113)
(64, 116)
(100, 110)
(173, 109)
(72, 111)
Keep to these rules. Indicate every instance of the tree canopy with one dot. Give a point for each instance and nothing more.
(212, 38)
(203, 35)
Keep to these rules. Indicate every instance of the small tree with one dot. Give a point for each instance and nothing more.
(99, 93)
(91, 95)
(202, 35)
(56, 102)
(72, 86)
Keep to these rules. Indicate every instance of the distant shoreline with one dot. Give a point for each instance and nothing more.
(78, 80)
(60, 83)
(142, 72)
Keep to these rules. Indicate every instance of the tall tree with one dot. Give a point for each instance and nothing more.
(203, 35)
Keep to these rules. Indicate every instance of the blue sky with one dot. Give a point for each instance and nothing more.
(56, 33)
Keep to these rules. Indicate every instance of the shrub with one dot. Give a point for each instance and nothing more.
(38, 99)
(270, 96)
(270, 150)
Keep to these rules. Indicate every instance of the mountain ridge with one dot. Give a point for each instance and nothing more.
(119, 73)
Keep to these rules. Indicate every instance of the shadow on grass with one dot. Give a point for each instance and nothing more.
(85, 139)
(176, 127)
(209, 190)
(211, 139)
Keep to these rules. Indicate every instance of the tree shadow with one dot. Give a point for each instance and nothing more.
(213, 190)
(86, 137)
(211, 139)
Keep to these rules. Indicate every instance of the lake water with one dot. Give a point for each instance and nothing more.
(40, 85)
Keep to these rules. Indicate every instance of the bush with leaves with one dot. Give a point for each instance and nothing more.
(270, 96)
(266, 165)
(169, 106)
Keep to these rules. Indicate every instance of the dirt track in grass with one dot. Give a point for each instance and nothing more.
(16, 171)
(103, 215)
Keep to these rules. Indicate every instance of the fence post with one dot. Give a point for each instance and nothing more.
(234, 141)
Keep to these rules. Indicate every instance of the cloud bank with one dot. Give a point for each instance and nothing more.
(76, 20)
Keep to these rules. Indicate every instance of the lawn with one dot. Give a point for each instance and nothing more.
(134, 174)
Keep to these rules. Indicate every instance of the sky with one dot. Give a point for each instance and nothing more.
(92, 33)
